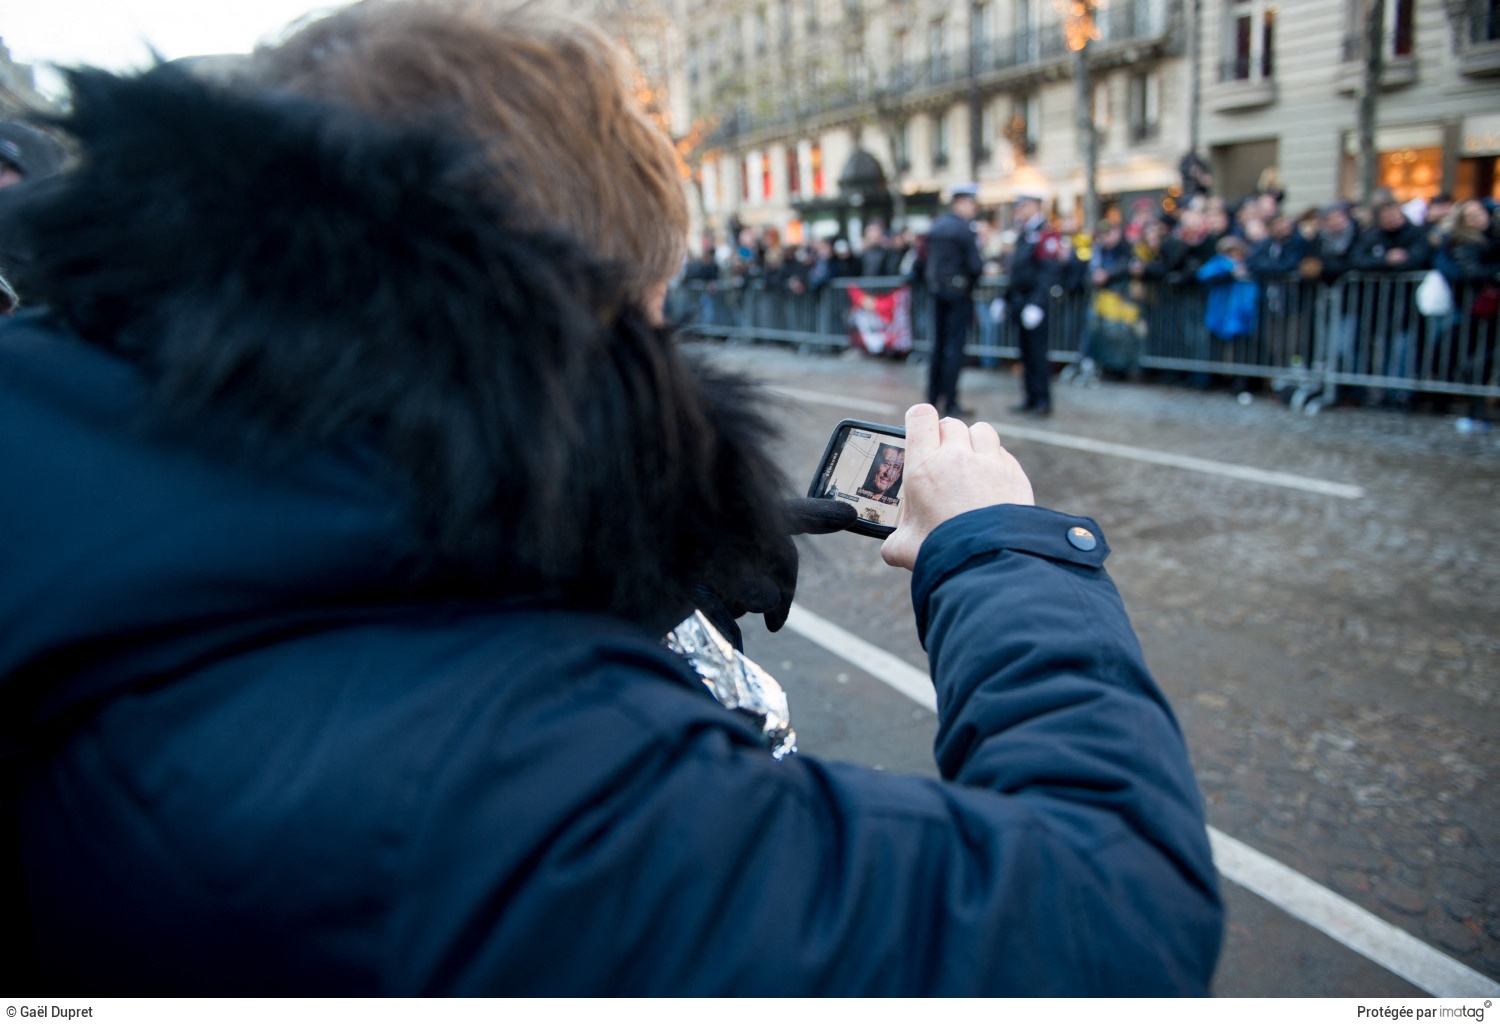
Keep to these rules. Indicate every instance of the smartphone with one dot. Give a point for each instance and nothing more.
(862, 465)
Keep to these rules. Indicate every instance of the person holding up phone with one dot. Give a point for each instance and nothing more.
(332, 654)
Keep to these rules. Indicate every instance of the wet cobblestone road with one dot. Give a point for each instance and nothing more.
(1335, 662)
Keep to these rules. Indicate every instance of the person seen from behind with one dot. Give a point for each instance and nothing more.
(363, 692)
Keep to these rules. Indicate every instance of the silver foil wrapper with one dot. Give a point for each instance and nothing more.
(735, 680)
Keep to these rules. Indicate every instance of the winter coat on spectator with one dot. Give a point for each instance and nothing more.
(1114, 262)
(1233, 300)
(1277, 258)
(1375, 243)
(1333, 255)
(1179, 260)
(1467, 258)
(701, 269)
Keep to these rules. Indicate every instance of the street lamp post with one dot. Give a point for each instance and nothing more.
(1080, 27)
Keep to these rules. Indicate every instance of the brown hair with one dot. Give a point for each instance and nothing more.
(547, 96)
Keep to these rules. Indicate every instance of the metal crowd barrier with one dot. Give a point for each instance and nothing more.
(1362, 332)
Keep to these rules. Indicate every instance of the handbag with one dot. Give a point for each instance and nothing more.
(1434, 296)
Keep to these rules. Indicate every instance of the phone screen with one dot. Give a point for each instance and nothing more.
(863, 466)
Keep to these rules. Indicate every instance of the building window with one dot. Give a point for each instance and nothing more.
(935, 55)
(817, 168)
(1145, 107)
(1484, 22)
(793, 172)
(1398, 35)
(1028, 33)
(744, 179)
(940, 140)
(1251, 50)
(1101, 112)
(1401, 30)
(903, 147)
(981, 31)
(854, 69)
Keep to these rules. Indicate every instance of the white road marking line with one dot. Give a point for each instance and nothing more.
(1347, 923)
(1185, 463)
(829, 399)
(1363, 932)
(879, 664)
(1149, 456)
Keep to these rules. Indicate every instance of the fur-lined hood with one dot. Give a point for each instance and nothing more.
(289, 293)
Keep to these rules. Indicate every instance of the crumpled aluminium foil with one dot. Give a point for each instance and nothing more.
(735, 680)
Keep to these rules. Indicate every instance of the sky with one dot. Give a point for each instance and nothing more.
(119, 34)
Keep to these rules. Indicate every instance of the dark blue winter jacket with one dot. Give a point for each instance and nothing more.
(244, 769)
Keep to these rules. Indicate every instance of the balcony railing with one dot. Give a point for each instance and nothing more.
(1124, 21)
(1245, 69)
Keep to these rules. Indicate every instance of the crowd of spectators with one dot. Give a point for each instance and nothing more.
(1247, 257)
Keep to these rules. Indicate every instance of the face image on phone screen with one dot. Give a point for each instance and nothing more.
(864, 469)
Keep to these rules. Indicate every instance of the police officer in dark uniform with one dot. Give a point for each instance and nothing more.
(953, 266)
(1036, 267)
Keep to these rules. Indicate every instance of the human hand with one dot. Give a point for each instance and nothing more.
(1395, 256)
(951, 468)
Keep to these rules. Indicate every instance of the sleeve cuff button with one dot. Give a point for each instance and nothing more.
(1081, 538)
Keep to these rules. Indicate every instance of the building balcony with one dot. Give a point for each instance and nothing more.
(1476, 26)
(1243, 85)
(1397, 70)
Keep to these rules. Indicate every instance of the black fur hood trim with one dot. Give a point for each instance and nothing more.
(313, 278)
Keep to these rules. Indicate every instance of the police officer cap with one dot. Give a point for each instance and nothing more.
(963, 189)
(1027, 198)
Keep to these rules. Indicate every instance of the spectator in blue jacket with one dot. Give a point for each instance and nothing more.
(1233, 304)
(331, 656)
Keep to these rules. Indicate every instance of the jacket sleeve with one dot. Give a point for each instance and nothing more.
(1063, 853)
(1219, 269)
(1363, 255)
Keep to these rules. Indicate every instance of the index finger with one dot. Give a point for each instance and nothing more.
(922, 432)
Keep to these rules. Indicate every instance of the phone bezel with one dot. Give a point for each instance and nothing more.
(817, 488)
